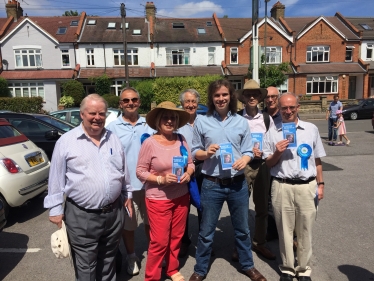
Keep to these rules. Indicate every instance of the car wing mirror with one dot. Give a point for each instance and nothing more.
(52, 135)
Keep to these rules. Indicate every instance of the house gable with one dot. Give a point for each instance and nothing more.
(314, 24)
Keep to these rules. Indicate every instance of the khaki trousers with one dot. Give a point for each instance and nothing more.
(257, 175)
(294, 209)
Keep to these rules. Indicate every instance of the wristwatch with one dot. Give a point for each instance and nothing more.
(322, 182)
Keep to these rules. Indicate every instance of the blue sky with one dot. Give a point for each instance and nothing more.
(179, 8)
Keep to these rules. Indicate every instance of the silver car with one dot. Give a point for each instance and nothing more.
(24, 168)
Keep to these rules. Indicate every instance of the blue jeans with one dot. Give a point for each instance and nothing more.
(213, 196)
(332, 131)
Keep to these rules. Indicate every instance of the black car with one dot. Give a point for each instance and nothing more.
(364, 109)
(43, 130)
(2, 216)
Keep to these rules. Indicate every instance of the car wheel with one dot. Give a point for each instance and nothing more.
(6, 206)
(353, 115)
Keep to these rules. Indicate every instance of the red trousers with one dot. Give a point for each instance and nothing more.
(167, 221)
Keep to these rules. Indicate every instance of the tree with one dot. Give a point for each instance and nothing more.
(225, 16)
(74, 89)
(70, 13)
(4, 89)
(102, 84)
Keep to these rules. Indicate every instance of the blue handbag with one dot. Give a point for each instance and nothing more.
(192, 184)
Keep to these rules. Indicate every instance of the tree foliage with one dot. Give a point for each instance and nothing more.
(112, 100)
(4, 89)
(145, 89)
(74, 89)
(102, 84)
(70, 13)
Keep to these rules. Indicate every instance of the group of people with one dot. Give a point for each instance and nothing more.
(336, 124)
(116, 176)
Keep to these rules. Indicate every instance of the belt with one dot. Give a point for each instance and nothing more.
(106, 209)
(295, 181)
(225, 181)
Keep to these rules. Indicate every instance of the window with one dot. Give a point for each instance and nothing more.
(119, 58)
(91, 22)
(201, 31)
(237, 84)
(132, 56)
(348, 53)
(211, 55)
(234, 55)
(176, 57)
(136, 32)
(369, 51)
(318, 54)
(116, 87)
(111, 25)
(28, 58)
(27, 89)
(273, 54)
(74, 23)
(90, 57)
(322, 84)
(365, 26)
(127, 25)
(178, 25)
(61, 30)
(209, 23)
(65, 58)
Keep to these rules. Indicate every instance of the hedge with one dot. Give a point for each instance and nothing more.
(28, 105)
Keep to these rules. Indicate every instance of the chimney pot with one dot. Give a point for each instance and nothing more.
(277, 11)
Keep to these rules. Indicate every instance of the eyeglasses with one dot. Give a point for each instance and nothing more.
(291, 108)
(167, 118)
(273, 97)
(134, 100)
(255, 95)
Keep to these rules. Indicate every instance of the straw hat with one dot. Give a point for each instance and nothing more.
(184, 116)
(251, 85)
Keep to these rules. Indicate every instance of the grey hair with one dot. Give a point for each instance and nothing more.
(192, 91)
(288, 93)
(131, 89)
(93, 97)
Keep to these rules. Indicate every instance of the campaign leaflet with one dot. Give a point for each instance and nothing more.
(227, 157)
(257, 140)
(178, 166)
(289, 133)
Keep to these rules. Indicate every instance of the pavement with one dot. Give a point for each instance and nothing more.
(313, 116)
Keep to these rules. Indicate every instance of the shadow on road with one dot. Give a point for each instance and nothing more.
(11, 240)
(355, 273)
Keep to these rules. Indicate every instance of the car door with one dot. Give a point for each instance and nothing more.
(36, 132)
(368, 108)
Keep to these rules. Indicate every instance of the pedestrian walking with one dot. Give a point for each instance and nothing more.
(340, 127)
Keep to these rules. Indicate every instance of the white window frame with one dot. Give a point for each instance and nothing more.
(322, 85)
(273, 54)
(211, 55)
(90, 54)
(349, 51)
(369, 50)
(116, 87)
(121, 57)
(316, 52)
(27, 89)
(233, 51)
(179, 56)
(133, 56)
(33, 56)
(65, 53)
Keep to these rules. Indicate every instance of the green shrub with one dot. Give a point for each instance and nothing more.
(67, 101)
(112, 100)
(145, 89)
(4, 89)
(27, 105)
(102, 84)
(74, 89)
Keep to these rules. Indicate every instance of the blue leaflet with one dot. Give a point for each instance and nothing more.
(257, 140)
(289, 133)
(227, 157)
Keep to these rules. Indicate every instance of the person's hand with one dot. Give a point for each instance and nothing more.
(257, 153)
(185, 178)
(212, 150)
(169, 178)
(282, 146)
(56, 220)
(128, 205)
(241, 163)
(321, 189)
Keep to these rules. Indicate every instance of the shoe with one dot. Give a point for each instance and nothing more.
(132, 265)
(339, 142)
(196, 277)
(348, 142)
(255, 275)
(304, 278)
(235, 255)
(286, 277)
(263, 251)
(183, 250)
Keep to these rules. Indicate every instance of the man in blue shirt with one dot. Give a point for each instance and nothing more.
(129, 127)
(222, 129)
(331, 116)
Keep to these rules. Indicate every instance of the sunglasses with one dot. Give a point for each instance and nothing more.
(134, 100)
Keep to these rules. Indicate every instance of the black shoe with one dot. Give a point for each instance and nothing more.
(286, 277)
(305, 278)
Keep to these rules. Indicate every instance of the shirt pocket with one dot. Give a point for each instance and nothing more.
(116, 162)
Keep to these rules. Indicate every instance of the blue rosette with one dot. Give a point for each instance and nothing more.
(304, 151)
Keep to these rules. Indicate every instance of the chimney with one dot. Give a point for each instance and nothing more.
(13, 9)
(150, 10)
(277, 11)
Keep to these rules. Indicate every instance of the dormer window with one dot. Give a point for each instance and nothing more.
(74, 23)
(111, 25)
(127, 25)
(201, 31)
(136, 32)
(91, 22)
(178, 25)
(61, 30)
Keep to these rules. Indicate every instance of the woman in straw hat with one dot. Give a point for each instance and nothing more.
(167, 200)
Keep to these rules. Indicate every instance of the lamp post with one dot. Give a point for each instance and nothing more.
(265, 37)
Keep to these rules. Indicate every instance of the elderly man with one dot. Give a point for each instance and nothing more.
(256, 172)
(189, 100)
(89, 168)
(129, 128)
(297, 187)
(271, 101)
(332, 117)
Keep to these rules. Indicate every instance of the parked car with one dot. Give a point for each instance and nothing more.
(72, 115)
(364, 109)
(2, 216)
(201, 109)
(372, 120)
(24, 168)
(43, 134)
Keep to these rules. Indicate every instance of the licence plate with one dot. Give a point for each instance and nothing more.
(35, 160)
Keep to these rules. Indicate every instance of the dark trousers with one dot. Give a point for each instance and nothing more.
(94, 240)
(332, 131)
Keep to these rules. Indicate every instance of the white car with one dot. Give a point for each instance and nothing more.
(24, 168)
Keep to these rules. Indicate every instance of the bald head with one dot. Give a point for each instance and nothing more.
(289, 107)
(272, 91)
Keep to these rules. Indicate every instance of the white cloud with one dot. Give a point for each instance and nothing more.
(192, 9)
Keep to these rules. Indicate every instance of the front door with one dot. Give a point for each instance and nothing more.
(352, 87)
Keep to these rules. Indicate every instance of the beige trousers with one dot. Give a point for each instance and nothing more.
(294, 210)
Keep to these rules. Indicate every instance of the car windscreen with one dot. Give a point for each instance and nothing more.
(63, 126)
(9, 135)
